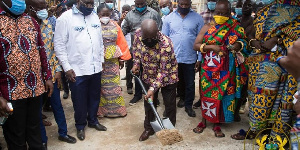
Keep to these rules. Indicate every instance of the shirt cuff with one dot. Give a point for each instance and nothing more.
(199, 56)
(156, 85)
(66, 67)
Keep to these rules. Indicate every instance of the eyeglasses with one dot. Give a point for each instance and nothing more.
(89, 5)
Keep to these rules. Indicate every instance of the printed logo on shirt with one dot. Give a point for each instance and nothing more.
(79, 28)
(96, 26)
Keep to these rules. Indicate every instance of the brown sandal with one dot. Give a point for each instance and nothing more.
(239, 136)
(200, 128)
(218, 132)
(47, 123)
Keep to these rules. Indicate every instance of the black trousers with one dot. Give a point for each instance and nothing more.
(23, 126)
(186, 83)
(169, 98)
(129, 65)
(138, 90)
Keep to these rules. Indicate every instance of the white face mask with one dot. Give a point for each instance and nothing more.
(104, 20)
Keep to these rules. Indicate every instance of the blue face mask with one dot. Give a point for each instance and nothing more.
(140, 9)
(85, 10)
(17, 6)
(238, 11)
(165, 11)
(42, 14)
(110, 5)
(211, 5)
(266, 2)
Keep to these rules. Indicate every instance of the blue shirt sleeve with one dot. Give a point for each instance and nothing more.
(201, 24)
(166, 28)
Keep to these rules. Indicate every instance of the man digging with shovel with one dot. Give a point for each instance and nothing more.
(153, 51)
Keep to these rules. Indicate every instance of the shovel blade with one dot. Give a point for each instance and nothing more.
(167, 123)
(156, 126)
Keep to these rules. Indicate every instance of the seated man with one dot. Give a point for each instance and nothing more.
(154, 52)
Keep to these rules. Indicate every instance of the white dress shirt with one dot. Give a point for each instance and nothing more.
(78, 42)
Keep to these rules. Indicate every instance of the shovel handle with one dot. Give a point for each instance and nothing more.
(149, 101)
(140, 81)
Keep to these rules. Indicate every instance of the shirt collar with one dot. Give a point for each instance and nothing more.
(45, 22)
(76, 10)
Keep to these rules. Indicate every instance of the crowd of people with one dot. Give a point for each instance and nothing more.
(244, 54)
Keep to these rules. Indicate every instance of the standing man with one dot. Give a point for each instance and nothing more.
(207, 15)
(183, 26)
(154, 52)
(24, 75)
(79, 47)
(132, 22)
(37, 9)
(165, 8)
(115, 14)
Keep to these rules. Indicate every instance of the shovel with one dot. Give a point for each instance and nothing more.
(158, 124)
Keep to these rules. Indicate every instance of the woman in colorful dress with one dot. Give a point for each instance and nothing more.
(223, 74)
(116, 52)
(271, 90)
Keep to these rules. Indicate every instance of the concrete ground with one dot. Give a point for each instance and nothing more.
(123, 133)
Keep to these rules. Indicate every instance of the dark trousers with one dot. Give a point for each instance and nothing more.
(58, 112)
(186, 84)
(85, 94)
(23, 126)
(129, 65)
(138, 90)
(169, 98)
(64, 82)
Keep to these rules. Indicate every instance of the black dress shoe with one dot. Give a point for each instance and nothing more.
(44, 146)
(80, 135)
(98, 127)
(67, 138)
(197, 104)
(66, 95)
(129, 91)
(190, 112)
(180, 103)
(145, 135)
(134, 100)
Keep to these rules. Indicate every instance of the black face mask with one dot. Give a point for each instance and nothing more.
(150, 43)
(183, 11)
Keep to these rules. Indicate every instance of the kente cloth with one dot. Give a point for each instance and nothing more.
(112, 102)
(271, 89)
(222, 77)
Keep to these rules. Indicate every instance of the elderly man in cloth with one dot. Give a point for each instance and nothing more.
(154, 52)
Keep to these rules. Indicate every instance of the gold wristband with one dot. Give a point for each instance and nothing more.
(250, 43)
(202, 48)
(242, 45)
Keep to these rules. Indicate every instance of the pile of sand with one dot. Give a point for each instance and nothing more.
(169, 136)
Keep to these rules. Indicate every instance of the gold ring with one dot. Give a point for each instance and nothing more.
(220, 53)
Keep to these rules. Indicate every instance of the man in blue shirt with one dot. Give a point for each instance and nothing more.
(183, 26)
